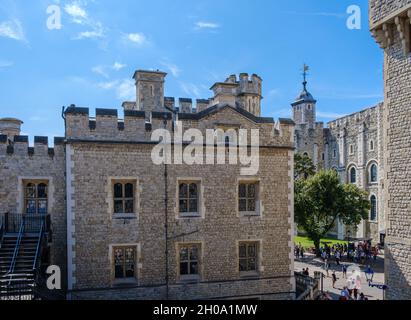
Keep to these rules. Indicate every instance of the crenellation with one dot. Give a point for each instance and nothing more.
(41, 146)
(185, 105)
(169, 102)
(202, 104)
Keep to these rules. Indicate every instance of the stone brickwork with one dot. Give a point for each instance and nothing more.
(97, 151)
(20, 163)
(390, 23)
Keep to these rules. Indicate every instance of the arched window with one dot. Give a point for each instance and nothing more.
(35, 198)
(372, 145)
(353, 175)
(373, 173)
(373, 211)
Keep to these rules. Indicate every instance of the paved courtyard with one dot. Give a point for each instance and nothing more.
(313, 263)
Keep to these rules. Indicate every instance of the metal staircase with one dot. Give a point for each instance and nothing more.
(22, 241)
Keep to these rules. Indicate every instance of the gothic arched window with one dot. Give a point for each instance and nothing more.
(353, 175)
(373, 211)
(373, 173)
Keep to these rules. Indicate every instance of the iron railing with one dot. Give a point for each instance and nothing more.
(32, 222)
(1, 230)
(32, 285)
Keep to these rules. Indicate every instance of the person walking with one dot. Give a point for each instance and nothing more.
(337, 257)
(326, 266)
(344, 271)
(334, 278)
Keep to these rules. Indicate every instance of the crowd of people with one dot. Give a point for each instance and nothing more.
(361, 253)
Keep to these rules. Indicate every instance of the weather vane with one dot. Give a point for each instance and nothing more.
(305, 73)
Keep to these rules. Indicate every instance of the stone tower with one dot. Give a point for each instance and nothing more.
(10, 127)
(244, 93)
(390, 24)
(304, 107)
(150, 90)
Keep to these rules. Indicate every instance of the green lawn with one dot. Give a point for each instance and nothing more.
(307, 243)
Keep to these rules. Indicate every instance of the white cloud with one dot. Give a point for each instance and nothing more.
(207, 25)
(96, 32)
(118, 66)
(137, 38)
(174, 69)
(6, 64)
(76, 12)
(108, 85)
(12, 29)
(100, 70)
(37, 118)
(190, 89)
(126, 90)
(80, 16)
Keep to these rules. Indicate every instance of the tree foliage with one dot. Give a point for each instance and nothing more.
(321, 200)
(303, 166)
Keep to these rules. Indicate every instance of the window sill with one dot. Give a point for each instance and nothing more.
(128, 282)
(249, 274)
(190, 216)
(189, 279)
(249, 214)
(124, 216)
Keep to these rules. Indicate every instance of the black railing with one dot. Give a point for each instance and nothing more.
(32, 222)
(1, 230)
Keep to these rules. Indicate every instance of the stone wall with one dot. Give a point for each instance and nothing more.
(96, 159)
(397, 137)
(18, 163)
(355, 141)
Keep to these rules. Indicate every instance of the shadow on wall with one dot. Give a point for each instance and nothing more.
(398, 271)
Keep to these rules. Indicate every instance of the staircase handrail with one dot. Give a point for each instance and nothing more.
(2, 227)
(38, 249)
(16, 249)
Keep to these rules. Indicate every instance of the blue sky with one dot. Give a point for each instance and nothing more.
(90, 60)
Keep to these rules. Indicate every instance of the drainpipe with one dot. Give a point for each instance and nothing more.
(166, 209)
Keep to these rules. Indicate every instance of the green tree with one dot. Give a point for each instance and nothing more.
(321, 200)
(303, 166)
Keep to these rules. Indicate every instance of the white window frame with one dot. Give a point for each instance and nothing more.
(110, 197)
(195, 277)
(200, 214)
(258, 201)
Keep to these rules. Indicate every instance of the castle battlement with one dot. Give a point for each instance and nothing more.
(135, 126)
(20, 146)
(356, 118)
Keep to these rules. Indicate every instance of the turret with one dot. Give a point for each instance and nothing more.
(150, 90)
(304, 107)
(10, 127)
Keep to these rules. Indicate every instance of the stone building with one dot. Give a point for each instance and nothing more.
(390, 24)
(351, 145)
(127, 228)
